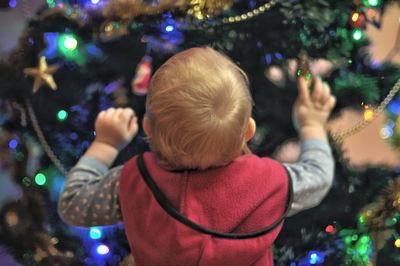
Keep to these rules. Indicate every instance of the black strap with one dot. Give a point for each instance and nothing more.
(166, 205)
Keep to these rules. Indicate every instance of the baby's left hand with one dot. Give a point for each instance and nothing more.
(116, 127)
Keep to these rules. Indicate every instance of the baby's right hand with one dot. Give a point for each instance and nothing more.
(311, 110)
(116, 127)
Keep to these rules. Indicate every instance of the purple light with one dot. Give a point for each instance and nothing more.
(12, 144)
(12, 3)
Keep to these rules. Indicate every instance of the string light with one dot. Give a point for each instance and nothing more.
(102, 249)
(355, 16)
(358, 35)
(12, 144)
(95, 233)
(62, 115)
(68, 46)
(315, 257)
(397, 243)
(40, 179)
(373, 3)
(330, 229)
(70, 42)
(12, 3)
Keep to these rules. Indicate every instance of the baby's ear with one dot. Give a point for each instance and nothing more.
(251, 130)
(146, 126)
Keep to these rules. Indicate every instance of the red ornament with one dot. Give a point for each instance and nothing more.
(141, 81)
(358, 20)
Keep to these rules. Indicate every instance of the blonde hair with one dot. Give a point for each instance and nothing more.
(198, 109)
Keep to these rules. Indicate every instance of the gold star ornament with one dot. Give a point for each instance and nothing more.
(43, 74)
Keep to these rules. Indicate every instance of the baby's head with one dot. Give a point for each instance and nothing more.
(198, 110)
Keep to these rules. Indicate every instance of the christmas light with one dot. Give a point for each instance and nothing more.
(330, 229)
(397, 243)
(102, 249)
(373, 3)
(169, 28)
(95, 233)
(70, 42)
(368, 115)
(355, 16)
(12, 144)
(358, 35)
(361, 219)
(386, 132)
(315, 257)
(68, 46)
(95, 2)
(62, 115)
(40, 179)
(12, 3)
(278, 56)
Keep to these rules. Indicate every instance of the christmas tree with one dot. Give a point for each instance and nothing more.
(76, 58)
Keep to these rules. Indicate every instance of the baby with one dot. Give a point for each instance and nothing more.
(197, 198)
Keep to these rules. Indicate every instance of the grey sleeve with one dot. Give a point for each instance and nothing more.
(312, 175)
(90, 194)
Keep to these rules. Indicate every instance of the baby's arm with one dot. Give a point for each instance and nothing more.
(90, 195)
(312, 175)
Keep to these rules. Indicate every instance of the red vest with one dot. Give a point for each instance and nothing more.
(248, 194)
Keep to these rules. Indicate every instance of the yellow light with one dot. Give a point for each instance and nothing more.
(368, 115)
(397, 243)
(355, 17)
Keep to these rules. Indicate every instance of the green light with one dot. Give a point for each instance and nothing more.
(361, 219)
(358, 35)
(70, 43)
(62, 115)
(373, 3)
(51, 3)
(350, 61)
(67, 46)
(347, 240)
(365, 239)
(40, 179)
(354, 237)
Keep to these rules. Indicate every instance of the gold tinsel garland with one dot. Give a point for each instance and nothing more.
(380, 216)
(127, 10)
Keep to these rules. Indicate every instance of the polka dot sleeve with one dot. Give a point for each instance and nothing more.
(90, 195)
(312, 175)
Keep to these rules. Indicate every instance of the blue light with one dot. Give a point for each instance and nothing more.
(73, 136)
(315, 257)
(268, 58)
(12, 144)
(95, 1)
(169, 28)
(394, 107)
(102, 249)
(95, 233)
(278, 56)
(12, 3)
